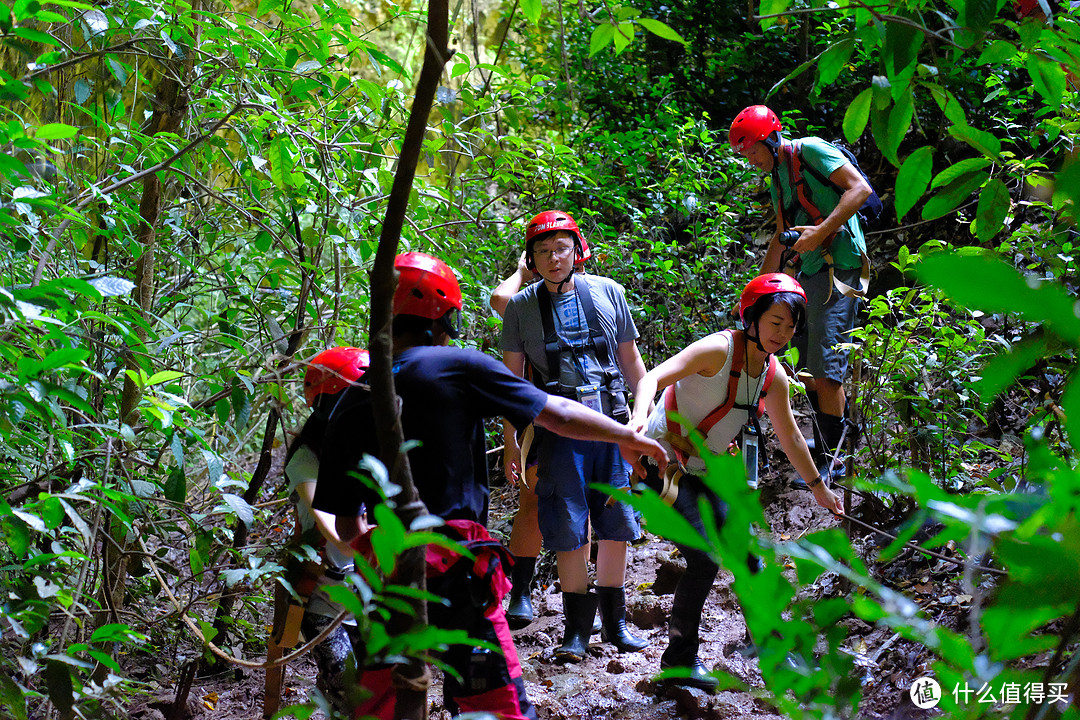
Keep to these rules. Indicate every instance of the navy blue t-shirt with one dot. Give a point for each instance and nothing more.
(446, 393)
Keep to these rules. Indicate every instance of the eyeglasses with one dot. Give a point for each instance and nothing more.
(559, 252)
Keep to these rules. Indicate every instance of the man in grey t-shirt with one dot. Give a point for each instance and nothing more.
(580, 341)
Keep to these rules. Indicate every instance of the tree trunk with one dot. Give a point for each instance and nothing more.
(412, 693)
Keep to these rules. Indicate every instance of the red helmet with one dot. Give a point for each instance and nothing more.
(333, 370)
(427, 287)
(754, 124)
(762, 285)
(551, 221)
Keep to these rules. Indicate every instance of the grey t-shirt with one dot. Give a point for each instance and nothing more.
(523, 329)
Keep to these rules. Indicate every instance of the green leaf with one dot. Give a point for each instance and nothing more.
(36, 36)
(979, 13)
(388, 538)
(1048, 77)
(163, 377)
(901, 51)
(790, 76)
(661, 30)
(58, 681)
(772, 7)
(176, 486)
(947, 103)
(16, 534)
(82, 90)
(532, 10)
(832, 61)
(602, 36)
(981, 140)
(1003, 369)
(960, 169)
(857, 115)
(56, 131)
(113, 632)
(952, 195)
(913, 179)
(986, 282)
(280, 163)
(994, 205)
(624, 35)
(241, 403)
(663, 520)
(997, 52)
(1068, 181)
(899, 123)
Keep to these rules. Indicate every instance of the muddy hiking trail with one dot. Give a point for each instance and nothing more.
(609, 684)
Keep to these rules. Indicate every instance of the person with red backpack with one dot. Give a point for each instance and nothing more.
(718, 384)
(326, 377)
(818, 194)
(446, 393)
(576, 334)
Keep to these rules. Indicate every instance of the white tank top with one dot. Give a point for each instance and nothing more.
(697, 396)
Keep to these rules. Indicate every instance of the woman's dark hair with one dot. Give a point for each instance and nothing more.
(793, 302)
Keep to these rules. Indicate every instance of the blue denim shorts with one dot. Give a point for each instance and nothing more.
(827, 324)
(566, 502)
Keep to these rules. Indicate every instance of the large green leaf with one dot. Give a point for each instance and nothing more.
(986, 282)
(994, 205)
(913, 179)
(602, 36)
(982, 140)
(857, 115)
(1067, 181)
(958, 170)
(902, 42)
(997, 52)
(1048, 77)
(56, 131)
(660, 30)
(899, 123)
(624, 35)
(832, 61)
(1003, 369)
(979, 13)
(947, 103)
(952, 195)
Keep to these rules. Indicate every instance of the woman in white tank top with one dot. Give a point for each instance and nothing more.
(698, 383)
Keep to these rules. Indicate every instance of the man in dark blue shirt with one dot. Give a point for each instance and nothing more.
(446, 393)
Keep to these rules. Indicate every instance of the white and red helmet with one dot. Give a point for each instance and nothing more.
(333, 370)
(554, 221)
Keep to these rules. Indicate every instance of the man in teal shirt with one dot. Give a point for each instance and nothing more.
(817, 193)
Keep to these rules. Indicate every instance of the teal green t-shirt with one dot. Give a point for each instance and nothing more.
(849, 244)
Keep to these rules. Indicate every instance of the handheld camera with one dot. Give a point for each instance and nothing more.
(789, 237)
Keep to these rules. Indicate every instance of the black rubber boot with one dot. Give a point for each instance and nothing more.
(613, 618)
(519, 613)
(579, 610)
(683, 630)
(832, 429)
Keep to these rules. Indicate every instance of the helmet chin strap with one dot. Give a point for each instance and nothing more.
(569, 276)
(756, 337)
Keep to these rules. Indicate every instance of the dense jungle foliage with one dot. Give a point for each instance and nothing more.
(191, 195)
